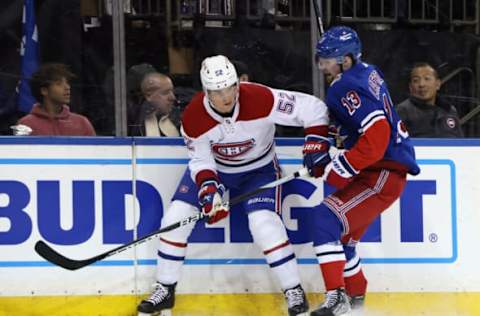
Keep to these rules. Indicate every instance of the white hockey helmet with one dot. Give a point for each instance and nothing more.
(217, 73)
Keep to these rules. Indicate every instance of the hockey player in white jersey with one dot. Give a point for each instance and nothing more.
(229, 132)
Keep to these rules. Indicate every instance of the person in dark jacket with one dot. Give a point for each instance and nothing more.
(158, 114)
(424, 113)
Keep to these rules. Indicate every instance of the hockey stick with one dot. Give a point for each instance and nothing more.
(49, 254)
(319, 15)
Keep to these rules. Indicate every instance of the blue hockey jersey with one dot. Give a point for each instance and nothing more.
(358, 99)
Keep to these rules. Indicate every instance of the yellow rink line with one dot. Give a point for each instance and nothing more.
(378, 304)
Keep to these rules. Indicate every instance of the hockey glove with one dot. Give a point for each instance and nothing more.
(315, 154)
(210, 197)
(339, 171)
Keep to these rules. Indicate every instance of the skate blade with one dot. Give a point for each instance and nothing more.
(167, 312)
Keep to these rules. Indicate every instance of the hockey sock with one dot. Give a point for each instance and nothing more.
(283, 263)
(170, 260)
(332, 273)
(331, 259)
(270, 235)
(355, 281)
(356, 284)
(173, 244)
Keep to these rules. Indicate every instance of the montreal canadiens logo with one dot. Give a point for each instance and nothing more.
(233, 150)
(451, 122)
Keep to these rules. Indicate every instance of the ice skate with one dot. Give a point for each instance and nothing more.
(336, 303)
(296, 301)
(161, 300)
(357, 301)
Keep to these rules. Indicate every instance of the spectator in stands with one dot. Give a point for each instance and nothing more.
(135, 75)
(158, 114)
(424, 113)
(50, 85)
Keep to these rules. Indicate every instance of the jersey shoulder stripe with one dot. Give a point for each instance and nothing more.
(256, 101)
(195, 119)
(371, 118)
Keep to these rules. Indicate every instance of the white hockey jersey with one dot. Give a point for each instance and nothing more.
(245, 141)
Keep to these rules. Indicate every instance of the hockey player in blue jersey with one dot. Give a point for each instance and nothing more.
(369, 174)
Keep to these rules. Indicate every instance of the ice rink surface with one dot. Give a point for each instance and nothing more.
(377, 304)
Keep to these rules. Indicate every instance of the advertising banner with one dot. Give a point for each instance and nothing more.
(84, 197)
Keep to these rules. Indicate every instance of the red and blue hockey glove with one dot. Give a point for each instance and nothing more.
(210, 197)
(339, 171)
(315, 154)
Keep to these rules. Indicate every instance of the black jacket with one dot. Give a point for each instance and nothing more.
(137, 127)
(431, 121)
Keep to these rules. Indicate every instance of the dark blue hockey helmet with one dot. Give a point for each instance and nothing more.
(338, 42)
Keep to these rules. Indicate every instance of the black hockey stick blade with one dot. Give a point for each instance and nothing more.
(51, 255)
(54, 257)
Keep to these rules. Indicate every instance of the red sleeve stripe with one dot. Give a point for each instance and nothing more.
(321, 130)
(371, 119)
